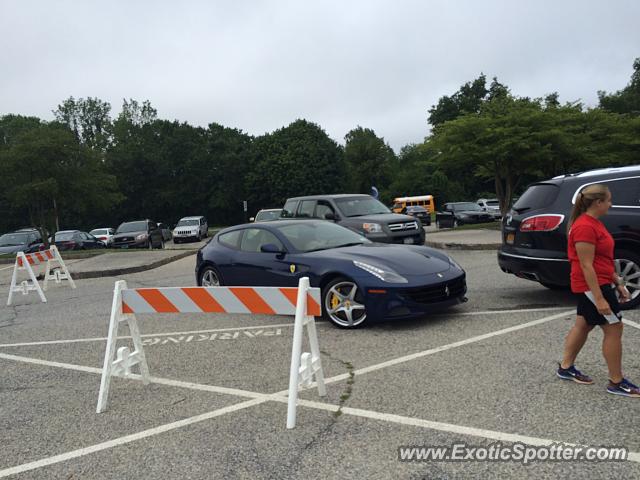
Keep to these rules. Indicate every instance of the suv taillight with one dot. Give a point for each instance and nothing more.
(541, 223)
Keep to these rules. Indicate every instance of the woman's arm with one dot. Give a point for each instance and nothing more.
(586, 252)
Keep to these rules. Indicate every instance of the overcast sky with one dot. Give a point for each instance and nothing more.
(259, 65)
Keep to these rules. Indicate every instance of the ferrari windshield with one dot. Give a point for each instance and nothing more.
(312, 236)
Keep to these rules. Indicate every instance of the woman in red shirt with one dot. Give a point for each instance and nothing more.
(594, 282)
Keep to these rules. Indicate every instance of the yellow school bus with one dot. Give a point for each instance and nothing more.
(425, 201)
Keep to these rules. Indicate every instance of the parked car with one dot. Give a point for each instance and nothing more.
(492, 206)
(105, 235)
(138, 234)
(534, 237)
(418, 212)
(266, 215)
(25, 240)
(76, 240)
(191, 228)
(361, 281)
(460, 213)
(361, 213)
(166, 232)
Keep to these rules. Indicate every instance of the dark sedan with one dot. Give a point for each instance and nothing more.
(419, 212)
(460, 213)
(76, 240)
(360, 280)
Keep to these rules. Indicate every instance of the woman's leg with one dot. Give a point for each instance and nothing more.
(574, 341)
(612, 350)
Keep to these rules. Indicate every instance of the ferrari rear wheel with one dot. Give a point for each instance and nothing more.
(343, 303)
(209, 277)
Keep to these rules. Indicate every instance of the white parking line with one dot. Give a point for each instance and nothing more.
(260, 398)
(102, 339)
(81, 452)
(631, 323)
(431, 351)
(318, 322)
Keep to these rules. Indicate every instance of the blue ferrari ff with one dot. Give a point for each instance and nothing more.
(360, 280)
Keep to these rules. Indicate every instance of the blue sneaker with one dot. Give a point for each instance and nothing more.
(624, 388)
(572, 373)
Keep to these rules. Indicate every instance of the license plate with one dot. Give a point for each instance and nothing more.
(125, 246)
(510, 238)
(408, 240)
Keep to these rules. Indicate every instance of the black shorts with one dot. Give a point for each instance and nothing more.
(588, 310)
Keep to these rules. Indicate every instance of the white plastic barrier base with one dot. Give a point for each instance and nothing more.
(302, 301)
(26, 286)
(60, 273)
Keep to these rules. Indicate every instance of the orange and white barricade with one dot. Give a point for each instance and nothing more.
(24, 261)
(302, 301)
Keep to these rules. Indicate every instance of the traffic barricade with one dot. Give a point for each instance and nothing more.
(25, 262)
(302, 301)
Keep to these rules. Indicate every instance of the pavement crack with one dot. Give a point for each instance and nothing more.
(348, 390)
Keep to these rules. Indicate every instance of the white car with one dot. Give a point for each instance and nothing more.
(105, 235)
(190, 228)
(491, 206)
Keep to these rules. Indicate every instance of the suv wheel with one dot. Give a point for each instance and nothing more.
(628, 267)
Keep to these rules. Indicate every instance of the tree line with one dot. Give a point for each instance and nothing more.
(85, 169)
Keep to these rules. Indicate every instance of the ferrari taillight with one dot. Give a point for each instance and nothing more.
(541, 223)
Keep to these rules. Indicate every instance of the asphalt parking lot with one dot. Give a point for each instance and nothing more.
(480, 373)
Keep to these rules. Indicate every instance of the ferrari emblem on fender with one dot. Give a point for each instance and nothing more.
(292, 268)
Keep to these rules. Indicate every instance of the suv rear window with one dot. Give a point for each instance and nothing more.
(537, 196)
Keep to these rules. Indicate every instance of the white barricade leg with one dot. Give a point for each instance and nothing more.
(14, 277)
(316, 362)
(304, 366)
(25, 287)
(119, 363)
(60, 274)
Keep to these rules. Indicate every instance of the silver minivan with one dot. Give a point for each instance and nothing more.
(189, 228)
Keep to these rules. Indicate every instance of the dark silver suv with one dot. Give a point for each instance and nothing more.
(360, 213)
(534, 238)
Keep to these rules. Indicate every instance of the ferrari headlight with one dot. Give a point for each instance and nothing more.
(372, 227)
(384, 275)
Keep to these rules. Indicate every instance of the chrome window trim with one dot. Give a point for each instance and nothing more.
(575, 194)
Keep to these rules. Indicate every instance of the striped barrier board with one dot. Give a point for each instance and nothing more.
(256, 300)
(37, 258)
(302, 301)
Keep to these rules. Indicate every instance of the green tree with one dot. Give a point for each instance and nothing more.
(54, 180)
(299, 159)
(626, 100)
(89, 119)
(468, 99)
(368, 160)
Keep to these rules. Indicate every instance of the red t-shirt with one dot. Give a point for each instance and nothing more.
(590, 230)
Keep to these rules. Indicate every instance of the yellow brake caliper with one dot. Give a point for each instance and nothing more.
(335, 301)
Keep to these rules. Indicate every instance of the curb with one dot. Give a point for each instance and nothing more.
(123, 271)
(463, 246)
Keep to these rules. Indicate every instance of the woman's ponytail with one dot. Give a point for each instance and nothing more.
(585, 198)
